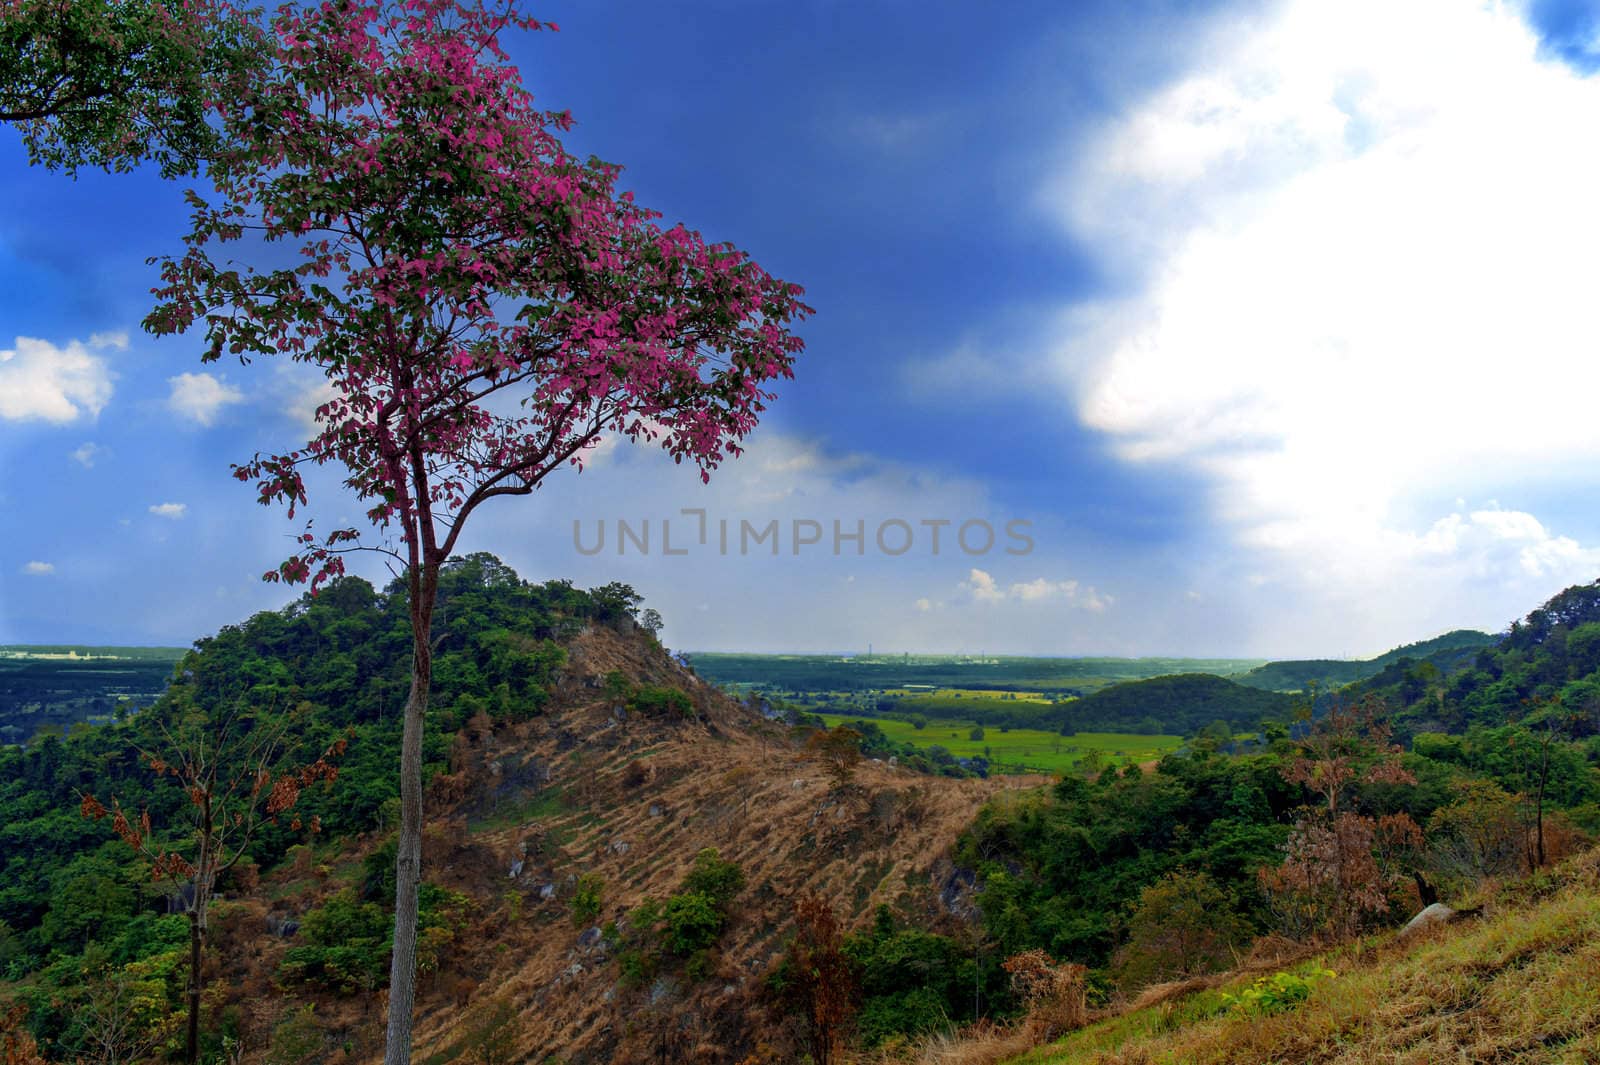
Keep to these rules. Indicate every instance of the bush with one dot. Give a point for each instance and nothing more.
(715, 877)
(1275, 993)
(346, 941)
(587, 900)
(685, 926)
(346, 947)
(692, 921)
(909, 1013)
(655, 699)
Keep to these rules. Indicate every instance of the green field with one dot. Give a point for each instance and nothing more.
(1028, 750)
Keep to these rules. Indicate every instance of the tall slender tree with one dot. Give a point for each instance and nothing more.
(484, 307)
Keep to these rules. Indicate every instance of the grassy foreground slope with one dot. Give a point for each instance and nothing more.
(1521, 983)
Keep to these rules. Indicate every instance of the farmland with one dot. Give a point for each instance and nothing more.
(1013, 750)
(863, 673)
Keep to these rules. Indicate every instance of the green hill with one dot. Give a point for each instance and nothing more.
(1182, 704)
(1449, 653)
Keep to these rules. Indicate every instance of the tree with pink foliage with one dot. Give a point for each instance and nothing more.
(484, 306)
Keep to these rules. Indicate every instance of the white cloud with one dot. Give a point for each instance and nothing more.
(200, 397)
(1358, 275)
(39, 569)
(85, 454)
(983, 588)
(173, 511)
(924, 604)
(53, 384)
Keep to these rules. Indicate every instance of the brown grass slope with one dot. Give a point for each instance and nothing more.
(588, 788)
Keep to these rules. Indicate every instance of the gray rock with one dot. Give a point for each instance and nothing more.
(590, 938)
(516, 869)
(1432, 917)
(547, 891)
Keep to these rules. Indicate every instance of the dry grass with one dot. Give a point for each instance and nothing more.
(1521, 985)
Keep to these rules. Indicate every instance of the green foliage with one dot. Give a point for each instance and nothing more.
(715, 877)
(690, 921)
(297, 1039)
(344, 948)
(344, 943)
(108, 85)
(685, 926)
(615, 601)
(655, 699)
(340, 662)
(1276, 993)
(587, 900)
(1183, 924)
(617, 685)
(910, 1013)
(1058, 871)
(912, 981)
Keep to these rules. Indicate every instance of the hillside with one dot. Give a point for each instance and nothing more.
(1450, 652)
(1514, 984)
(632, 804)
(584, 772)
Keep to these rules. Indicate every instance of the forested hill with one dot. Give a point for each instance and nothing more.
(1182, 704)
(1546, 667)
(1448, 653)
(614, 853)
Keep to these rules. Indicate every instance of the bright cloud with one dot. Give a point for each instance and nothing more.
(39, 380)
(983, 588)
(1359, 275)
(39, 569)
(85, 454)
(171, 511)
(200, 397)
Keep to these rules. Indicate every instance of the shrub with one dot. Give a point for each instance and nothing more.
(1275, 993)
(714, 877)
(684, 926)
(587, 900)
(655, 699)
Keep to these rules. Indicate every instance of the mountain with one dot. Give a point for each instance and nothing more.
(1449, 652)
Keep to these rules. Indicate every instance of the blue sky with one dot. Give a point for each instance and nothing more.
(1273, 321)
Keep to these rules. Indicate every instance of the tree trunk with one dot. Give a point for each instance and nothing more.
(408, 859)
(1544, 777)
(197, 927)
(191, 1049)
